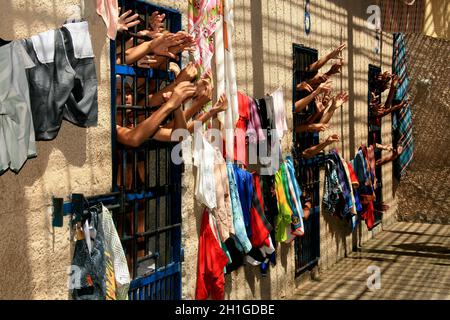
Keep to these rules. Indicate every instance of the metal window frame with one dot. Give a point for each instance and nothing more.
(165, 281)
(375, 136)
(307, 248)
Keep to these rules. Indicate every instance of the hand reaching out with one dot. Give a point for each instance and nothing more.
(340, 99)
(160, 46)
(333, 138)
(220, 106)
(146, 62)
(338, 51)
(336, 67)
(183, 91)
(325, 87)
(203, 94)
(157, 21)
(318, 127)
(125, 21)
(304, 86)
(188, 74)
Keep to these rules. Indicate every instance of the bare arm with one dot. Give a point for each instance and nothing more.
(322, 61)
(338, 101)
(134, 137)
(314, 150)
(187, 74)
(220, 106)
(303, 103)
(392, 92)
(314, 127)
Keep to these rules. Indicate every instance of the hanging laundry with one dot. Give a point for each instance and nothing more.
(88, 263)
(284, 218)
(240, 146)
(255, 131)
(17, 137)
(237, 256)
(332, 193)
(279, 115)
(294, 202)
(261, 228)
(205, 185)
(203, 18)
(109, 11)
(244, 183)
(115, 258)
(402, 119)
(226, 73)
(243, 243)
(223, 212)
(63, 83)
(211, 264)
(355, 185)
(366, 191)
(344, 183)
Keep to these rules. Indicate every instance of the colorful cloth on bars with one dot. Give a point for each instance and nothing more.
(298, 228)
(284, 218)
(226, 73)
(401, 119)
(109, 11)
(243, 242)
(212, 261)
(244, 183)
(203, 17)
(240, 145)
(332, 189)
(260, 226)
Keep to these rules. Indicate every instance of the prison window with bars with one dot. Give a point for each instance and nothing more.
(149, 222)
(307, 248)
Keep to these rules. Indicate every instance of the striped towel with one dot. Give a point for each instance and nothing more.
(401, 120)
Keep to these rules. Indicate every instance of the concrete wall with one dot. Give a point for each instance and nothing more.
(264, 34)
(34, 257)
(437, 19)
(424, 193)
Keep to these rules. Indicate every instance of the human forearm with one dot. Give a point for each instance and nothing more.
(303, 103)
(136, 136)
(319, 63)
(314, 150)
(328, 114)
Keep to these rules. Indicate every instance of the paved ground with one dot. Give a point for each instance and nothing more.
(414, 262)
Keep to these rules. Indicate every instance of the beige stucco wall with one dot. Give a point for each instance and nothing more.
(264, 34)
(34, 257)
(437, 19)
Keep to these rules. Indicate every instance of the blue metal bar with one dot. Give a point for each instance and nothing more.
(132, 71)
(161, 273)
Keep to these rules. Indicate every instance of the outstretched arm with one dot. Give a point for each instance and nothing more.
(134, 137)
(303, 103)
(314, 150)
(338, 101)
(322, 61)
(220, 106)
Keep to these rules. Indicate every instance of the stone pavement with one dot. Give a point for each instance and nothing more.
(414, 262)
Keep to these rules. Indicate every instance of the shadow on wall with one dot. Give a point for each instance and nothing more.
(25, 247)
(437, 21)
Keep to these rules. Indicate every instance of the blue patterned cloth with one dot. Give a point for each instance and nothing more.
(401, 119)
(243, 242)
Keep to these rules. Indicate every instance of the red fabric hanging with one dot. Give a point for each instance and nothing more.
(211, 263)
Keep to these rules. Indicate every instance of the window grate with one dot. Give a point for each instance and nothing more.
(150, 223)
(307, 247)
